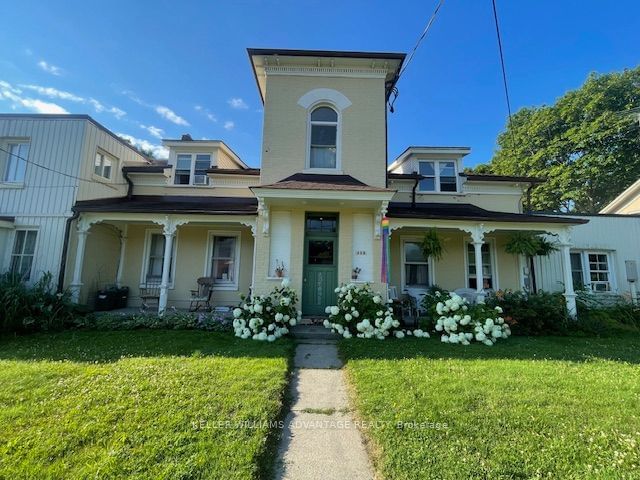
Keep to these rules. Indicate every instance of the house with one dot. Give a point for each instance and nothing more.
(605, 252)
(313, 211)
(47, 162)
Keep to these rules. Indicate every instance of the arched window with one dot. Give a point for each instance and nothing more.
(323, 139)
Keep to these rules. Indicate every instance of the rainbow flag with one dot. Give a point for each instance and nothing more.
(384, 270)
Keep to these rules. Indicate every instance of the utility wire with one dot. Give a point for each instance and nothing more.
(504, 70)
(53, 170)
(424, 34)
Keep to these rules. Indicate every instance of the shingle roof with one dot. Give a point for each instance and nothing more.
(170, 204)
(466, 211)
(313, 181)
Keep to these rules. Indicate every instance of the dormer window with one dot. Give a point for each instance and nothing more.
(323, 144)
(191, 169)
(440, 176)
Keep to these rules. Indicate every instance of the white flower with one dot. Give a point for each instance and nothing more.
(257, 308)
(335, 310)
(271, 338)
(444, 339)
(271, 327)
(326, 324)
(279, 317)
(349, 297)
(327, 310)
(348, 317)
(355, 313)
(286, 282)
(488, 342)
(237, 313)
(377, 299)
(399, 334)
(347, 334)
(292, 322)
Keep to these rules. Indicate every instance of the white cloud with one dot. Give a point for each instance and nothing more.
(153, 131)
(54, 93)
(168, 114)
(158, 151)
(14, 95)
(206, 113)
(229, 125)
(50, 68)
(237, 103)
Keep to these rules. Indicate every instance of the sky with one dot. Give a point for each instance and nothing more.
(152, 70)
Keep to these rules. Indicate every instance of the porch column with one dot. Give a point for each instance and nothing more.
(76, 282)
(123, 248)
(569, 293)
(166, 265)
(477, 247)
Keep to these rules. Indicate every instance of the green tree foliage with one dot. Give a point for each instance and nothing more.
(587, 145)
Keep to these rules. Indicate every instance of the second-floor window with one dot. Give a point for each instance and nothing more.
(323, 145)
(440, 176)
(191, 169)
(103, 165)
(16, 164)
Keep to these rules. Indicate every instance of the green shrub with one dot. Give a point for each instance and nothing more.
(541, 313)
(603, 315)
(25, 308)
(213, 321)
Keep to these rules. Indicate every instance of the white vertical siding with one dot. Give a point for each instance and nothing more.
(363, 245)
(280, 244)
(618, 235)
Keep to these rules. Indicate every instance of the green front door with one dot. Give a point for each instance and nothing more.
(320, 275)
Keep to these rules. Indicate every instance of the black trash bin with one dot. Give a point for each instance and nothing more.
(106, 299)
(122, 297)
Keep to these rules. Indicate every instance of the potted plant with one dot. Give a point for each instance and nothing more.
(355, 272)
(432, 245)
(530, 245)
(279, 269)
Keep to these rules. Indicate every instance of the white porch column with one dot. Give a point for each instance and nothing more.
(76, 282)
(569, 293)
(123, 249)
(477, 247)
(166, 266)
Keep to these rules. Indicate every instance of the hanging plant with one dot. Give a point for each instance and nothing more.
(529, 244)
(432, 245)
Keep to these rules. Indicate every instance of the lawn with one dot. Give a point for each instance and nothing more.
(139, 404)
(525, 408)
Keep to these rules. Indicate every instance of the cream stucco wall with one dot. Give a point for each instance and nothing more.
(362, 134)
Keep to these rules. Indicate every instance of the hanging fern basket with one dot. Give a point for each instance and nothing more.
(432, 245)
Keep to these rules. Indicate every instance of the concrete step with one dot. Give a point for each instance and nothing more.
(312, 332)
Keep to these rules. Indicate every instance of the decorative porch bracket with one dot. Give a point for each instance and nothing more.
(384, 206)
(263, 211)
(169, 227)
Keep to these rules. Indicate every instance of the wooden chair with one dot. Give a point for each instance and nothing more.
(202, 296)
(149, 291)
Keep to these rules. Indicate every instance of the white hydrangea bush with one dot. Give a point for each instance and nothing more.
(461, 323)
(362, 313)
(267, 317)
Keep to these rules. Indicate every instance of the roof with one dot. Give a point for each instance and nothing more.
(623, 199)
(405, 176)
(473, 177)
(425, 149)
(312, 181)
(170, 204)
(179, 142)
(257, 56)
(235, 171)
(145, 168)
(466, 211)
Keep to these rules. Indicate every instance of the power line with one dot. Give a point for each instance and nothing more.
(53, 170)
(504, 70)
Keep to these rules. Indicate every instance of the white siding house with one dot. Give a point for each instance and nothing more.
(47, 162)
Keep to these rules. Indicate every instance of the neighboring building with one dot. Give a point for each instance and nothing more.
(627, 203)
(47, 162)
(315, 207)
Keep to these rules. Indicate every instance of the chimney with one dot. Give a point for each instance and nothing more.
(186, 138)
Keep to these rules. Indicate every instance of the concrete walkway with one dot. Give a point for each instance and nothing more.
(320, 440)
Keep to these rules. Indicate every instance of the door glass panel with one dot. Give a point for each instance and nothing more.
(320, 252)
(321, 223)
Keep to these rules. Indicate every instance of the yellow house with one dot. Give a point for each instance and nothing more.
(313, 212)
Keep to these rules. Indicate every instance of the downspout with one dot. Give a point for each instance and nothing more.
(65, 249)
(413, 192)
(125, 175)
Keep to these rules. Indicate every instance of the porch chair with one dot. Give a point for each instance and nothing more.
(408, 310)
(149, 291)
(202, 296)
(469, 294)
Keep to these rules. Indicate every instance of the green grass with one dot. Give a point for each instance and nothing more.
(139, 404)
(526, 408)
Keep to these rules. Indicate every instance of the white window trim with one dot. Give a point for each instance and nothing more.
(114, 166)
(493, 251)
(436, 177)
(307, 165)
(6, 145)
(147, 251)
(586, 271)
(430, 263)
(207, 262)
(192, 170)
(12, 242)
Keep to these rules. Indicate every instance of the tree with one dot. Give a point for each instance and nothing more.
(585, 145)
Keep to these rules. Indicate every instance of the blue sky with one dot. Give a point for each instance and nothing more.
(159, 69)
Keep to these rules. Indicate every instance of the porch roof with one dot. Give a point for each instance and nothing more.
(314, 181)
(171, 204)
(466, 211)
